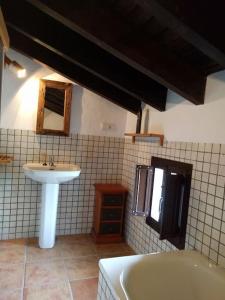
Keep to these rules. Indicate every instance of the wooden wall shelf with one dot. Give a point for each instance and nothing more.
(134, 135)
(5, 159)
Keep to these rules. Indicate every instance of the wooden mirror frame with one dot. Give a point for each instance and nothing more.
(41, 103)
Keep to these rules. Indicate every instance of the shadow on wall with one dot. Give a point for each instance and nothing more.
(174, 100)
(215, 91)
(215, 88)
(76, 109)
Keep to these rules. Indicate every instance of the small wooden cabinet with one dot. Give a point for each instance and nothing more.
(108, 222)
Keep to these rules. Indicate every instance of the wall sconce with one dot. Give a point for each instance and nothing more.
(15, 67)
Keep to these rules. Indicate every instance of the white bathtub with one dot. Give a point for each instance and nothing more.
(180, 275)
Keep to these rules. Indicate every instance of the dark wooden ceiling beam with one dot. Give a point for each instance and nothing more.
(71, 46)
(59, 64)
(201, 23)
(157, 63)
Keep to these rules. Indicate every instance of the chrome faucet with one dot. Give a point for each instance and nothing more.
(51, 161)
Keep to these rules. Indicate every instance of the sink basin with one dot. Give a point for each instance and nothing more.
(175, 275)
(50, 177)
(46, 174)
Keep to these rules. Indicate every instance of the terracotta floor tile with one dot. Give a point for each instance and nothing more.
(16, 242)
(73, 238)
(11, 276)
(32, 241)
(85, 289)
(34, 253)
(116, 254)
(77, 248)
(47, 270)
(41, 273)
(12, 253)
(10, 294)
(104, 249)
(82, 267)
(59, 291)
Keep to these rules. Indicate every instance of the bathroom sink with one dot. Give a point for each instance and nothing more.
(175, 275)
(50, 177)
(56, 174)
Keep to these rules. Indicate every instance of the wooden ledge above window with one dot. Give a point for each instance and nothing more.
(146, 135)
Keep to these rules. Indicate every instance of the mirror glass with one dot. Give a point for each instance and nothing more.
(157, 194)
(54, 109)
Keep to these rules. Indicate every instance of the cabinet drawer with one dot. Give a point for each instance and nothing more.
(114, 214)
(110, 228)
(112, 200)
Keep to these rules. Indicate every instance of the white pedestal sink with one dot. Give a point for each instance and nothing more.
(50, 177)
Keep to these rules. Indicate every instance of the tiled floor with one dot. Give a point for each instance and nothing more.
(68, 271)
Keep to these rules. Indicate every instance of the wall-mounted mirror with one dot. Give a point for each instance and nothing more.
(54, 107)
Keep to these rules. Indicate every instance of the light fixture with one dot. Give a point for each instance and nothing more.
(21, 73)
(15, 67)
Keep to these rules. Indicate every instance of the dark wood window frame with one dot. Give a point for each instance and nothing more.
(185, 171)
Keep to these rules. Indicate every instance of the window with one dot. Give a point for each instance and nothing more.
(157, 194)
(162, 195)
(142, 190)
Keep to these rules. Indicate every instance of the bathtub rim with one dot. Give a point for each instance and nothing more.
(112, 268)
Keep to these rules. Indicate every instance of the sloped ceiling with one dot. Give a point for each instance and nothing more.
(127, 51)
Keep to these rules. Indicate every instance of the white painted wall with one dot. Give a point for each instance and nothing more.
(184, 121)
(94, 112)
(20, 99)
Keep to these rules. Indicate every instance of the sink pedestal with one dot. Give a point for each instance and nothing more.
(49, 203)
(50, 177)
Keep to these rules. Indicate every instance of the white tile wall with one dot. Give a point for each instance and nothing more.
(206, 220)
(100, 159)
(104, 291)
(110, 160)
